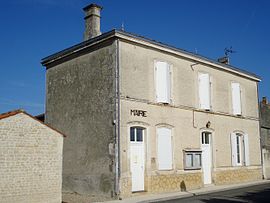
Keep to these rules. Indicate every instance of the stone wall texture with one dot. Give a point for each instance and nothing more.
(30, 161)
(80, 102)
(238, 175)
(165, 183)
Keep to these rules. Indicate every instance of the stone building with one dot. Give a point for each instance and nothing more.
(142, 116)
(30, 160)
(265, 136)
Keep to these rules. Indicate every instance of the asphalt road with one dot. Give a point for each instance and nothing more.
(258, 193)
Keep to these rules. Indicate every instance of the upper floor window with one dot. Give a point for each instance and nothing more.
(204, 91)
(164, 148)
(163, 82)
(236, 98)
(240, 149)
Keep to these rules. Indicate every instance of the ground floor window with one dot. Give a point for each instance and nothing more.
(192, 159)
(240, 149)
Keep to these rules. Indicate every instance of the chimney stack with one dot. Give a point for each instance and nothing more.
(264, 100)
(224, 60)
(92, 21)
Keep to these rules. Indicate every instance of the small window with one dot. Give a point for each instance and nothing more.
(206, 137)
(136, 134)
(193, 159)
(132, 134)
(139, 135)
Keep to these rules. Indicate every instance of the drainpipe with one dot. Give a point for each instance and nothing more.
(117, 119)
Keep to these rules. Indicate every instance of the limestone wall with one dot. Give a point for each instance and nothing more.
(30, 161)
(237, 175)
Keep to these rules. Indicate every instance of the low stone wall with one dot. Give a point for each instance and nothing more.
(165, 183)
(174, 182)
(238, 175)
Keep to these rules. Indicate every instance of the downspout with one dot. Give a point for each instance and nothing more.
(117, 122)
(260, 130)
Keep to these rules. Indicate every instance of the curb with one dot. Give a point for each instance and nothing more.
(198, 193)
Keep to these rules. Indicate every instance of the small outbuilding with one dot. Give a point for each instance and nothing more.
(30, 160)
(265, 136)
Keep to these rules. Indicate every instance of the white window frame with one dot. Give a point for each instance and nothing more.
(236, 98)
(135, 134)
(205, 102)
(160, 163)
(193, 153)
(240, 145)
(163, 93)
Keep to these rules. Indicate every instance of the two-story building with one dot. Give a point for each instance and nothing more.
(145, 116)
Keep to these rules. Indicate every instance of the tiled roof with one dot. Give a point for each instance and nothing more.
(15, 112)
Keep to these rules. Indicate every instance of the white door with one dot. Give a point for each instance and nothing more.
(206, 157)
(137, 158)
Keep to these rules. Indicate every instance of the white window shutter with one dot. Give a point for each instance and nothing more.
(234, 149)
(236, 99)
(163, 81)
(164, 148)
(169, 76)
(246, 143)
(204, 90)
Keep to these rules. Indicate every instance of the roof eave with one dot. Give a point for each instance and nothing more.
(147, 42)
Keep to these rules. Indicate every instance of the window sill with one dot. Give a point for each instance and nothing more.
(190, 169)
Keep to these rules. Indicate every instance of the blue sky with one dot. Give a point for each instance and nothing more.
(33, 29)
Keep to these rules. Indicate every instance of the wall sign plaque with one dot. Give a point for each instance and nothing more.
(136, 112)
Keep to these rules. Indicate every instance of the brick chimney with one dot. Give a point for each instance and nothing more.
(92, 21)
(264, 100)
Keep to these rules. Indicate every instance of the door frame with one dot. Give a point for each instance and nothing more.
(145, 129)
(211, 131)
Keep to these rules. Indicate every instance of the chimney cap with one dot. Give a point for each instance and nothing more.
(90, 6)
(265, 100)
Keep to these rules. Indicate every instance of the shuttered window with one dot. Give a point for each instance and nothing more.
(164, 137)
(240, 149)
(236, 98)
(163, 82)
(204, 91)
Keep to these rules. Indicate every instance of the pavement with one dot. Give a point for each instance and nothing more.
(177, 195)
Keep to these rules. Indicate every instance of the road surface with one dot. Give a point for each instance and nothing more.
(255, 194)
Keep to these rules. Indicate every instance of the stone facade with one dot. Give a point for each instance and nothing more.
(186, 120)
(102, 89)
(30, 161)
(237, 175)
(80, 102)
